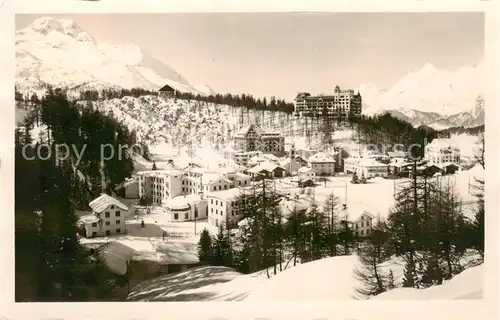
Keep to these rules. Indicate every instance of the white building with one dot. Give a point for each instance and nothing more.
(441, 151)
(262, 158)
(243, 158)
(339, 104)
(323, 163)
(186, 208)
(351, 164)
(107, 218)
(238, 179)
(306, 173)
(370, 168)
(363, 225)
(225, 207)
(160, 185)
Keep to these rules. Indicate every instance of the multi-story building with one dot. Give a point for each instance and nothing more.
(364, 224)
(340, 104)
(160, 185)
(225, 208)
(107, 218)
(254, 138)
(323, 163)
(442, 151)
(181, 193)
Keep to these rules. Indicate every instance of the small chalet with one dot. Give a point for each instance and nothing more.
(107, 218)
(166, 92)
(267, 170)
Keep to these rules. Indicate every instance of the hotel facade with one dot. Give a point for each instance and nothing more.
(339, 105)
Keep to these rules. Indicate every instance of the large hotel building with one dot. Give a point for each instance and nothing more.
(341, 104)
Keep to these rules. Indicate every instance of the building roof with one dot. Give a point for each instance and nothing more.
(89, 218)
(213, 177)
(368, 162)
(126, 183)
(397, 154)
(160, 173)
(166, 88)
(364, 213)
(265, 166)
(178, 203)
(238, 176)
(229, 194)
(102, 202)
(321, 157)
(243, 131)
(306, 170)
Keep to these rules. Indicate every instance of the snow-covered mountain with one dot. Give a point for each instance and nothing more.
(58, 52)
(438, 98)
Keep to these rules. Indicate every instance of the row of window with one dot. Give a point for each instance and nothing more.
(107, 214)
(94, 225)
(108, 232)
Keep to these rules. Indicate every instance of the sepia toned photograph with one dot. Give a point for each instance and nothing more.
(249, 156)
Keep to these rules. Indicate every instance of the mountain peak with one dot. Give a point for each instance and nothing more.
(69, 27)
(428, 68)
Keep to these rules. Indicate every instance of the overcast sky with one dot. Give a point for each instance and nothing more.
(282, 53)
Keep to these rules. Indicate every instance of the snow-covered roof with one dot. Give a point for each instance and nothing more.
(126, 183)
(306, 170)
(321, 157)
(371, 163)
(160, 173)
(209, 178)
(89, 218)
(238, 176)
(166, 88)
(229, 194)
(365, 213)
(243, 131)
(397, 154)
(178, 203)
(265, 166)
(102, 202)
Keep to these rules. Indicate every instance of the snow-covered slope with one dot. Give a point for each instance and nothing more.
(182, 123)
(466, 285)
(438, 98)
(58, 52)
(326, 279)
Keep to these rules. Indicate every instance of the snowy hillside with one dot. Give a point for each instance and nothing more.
(325, 279)
(60, 53)
(466, 285)
(179, 124)
(439, 98)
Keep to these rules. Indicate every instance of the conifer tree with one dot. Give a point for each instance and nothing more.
(205, 250)
(331, 209)
(222, 251)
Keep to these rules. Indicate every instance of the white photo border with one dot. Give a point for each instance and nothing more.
(445, 309)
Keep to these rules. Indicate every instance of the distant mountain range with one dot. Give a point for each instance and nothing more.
(58, 52)
(437, 98)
